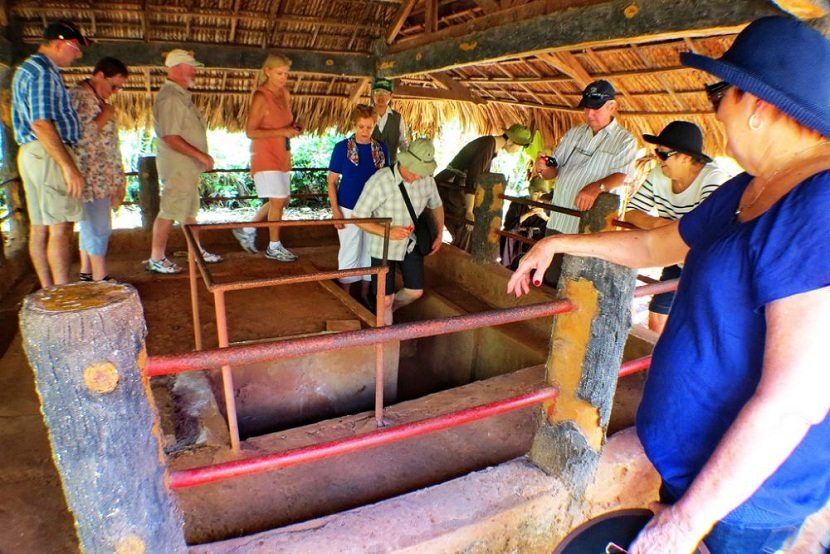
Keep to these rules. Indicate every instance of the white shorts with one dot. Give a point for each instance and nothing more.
(354, 249)
(272, 184)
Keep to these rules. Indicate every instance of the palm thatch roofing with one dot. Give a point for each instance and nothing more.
(489, 63)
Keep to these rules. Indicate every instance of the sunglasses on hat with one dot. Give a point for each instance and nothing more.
(716, 92)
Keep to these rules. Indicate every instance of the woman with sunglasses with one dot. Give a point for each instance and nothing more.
(684, 177)
(734, 414)
(99, 159)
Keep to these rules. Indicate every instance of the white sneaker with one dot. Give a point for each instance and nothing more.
(211, 258)
(280, 253)
(247, 240)
(162, 266)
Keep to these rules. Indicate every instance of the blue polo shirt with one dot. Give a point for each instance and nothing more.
(353, 177)
(708, 361)
(38, 93)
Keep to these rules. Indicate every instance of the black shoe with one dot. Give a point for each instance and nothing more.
(85, 277)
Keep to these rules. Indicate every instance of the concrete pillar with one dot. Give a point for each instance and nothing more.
(85, 343)
(148, 191)
(487, 211)
(587, 347)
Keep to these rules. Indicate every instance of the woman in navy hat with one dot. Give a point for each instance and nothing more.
(734, 414)
(684, 177)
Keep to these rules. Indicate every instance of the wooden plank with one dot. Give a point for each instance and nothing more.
(488, 6)
(592, 26)
(804, 9)
(358, 89)
(447, 81)
(430, 16)
(568, 64)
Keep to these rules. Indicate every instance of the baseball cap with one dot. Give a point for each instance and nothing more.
(64, 30)
(596, 94)
(179, 56)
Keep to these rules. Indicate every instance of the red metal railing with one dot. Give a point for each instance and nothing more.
(255, 353)
(261, 464)
(633, 366)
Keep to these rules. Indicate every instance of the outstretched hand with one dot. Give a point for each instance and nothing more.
(666, 533)
(532, 266)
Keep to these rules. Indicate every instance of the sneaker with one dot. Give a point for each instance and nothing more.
(246, 240)
(280, 253)
(162, 266)
(85, 277)
(211, 258)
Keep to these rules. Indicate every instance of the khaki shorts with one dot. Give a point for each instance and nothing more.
(180, 197)
(45, 187)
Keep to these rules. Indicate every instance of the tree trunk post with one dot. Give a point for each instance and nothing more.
(487, 211)
(85, 343)
(586, 350)
(148, 191)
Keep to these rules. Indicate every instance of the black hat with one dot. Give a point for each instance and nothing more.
(682, 136)
(64, 30)
(597, 94)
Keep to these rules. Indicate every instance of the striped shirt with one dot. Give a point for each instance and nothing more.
(38, 93)
(585, 157)
(656, 196)
(381, 197)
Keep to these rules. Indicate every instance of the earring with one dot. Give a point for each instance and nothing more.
(754, 122)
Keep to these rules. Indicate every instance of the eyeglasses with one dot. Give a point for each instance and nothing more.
(665, 154)
(73, 43)
(716, 93)
(115, 88)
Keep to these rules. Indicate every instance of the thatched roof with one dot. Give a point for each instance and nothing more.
(539, 55)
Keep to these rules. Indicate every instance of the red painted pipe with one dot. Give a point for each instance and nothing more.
(255, 353)
(656, 288)
(252, 466)
(633, 366)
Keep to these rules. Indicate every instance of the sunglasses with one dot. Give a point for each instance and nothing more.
(716, 93)
(73, 43)
(665, 155)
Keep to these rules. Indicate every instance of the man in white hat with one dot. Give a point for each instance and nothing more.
(182, 156)
(383, 196)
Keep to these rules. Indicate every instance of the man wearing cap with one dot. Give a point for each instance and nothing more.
(382, 197)
(457, 183)
(590, 159)
(682, 180)
(390, 128)
(182, 156)
(47, 127)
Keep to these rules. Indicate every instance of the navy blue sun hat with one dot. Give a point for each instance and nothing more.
(781, 61)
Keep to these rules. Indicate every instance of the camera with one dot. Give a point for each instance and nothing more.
(550, 161)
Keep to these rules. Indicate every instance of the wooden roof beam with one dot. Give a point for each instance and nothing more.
(448, 82)
(398, 21)
(578, 28)
(139, 53)
(567, 63)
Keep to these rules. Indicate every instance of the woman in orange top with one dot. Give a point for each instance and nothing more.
(270, 124)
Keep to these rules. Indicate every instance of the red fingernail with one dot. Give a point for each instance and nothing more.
(537, 283)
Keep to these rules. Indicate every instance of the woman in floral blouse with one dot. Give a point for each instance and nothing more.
(99, 159)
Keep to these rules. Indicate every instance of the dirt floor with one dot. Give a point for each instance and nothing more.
(33, 513)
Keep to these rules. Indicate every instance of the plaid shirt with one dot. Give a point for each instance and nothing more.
(38, 93)
(381, 197)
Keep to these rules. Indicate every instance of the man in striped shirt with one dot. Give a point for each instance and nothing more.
(590, 159)
(684, 178)
(46, 127)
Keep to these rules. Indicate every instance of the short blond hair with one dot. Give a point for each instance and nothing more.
(362, 111)
(273, 60)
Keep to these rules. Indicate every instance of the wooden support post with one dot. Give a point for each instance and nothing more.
(148, 191)
(587, 347)
(85, 343)
(484, 247)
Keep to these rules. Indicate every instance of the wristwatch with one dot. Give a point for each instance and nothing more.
(602, 187)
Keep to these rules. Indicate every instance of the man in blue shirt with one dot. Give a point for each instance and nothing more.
(46, 127)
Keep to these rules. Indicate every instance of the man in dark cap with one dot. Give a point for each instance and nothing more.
(47, 127)
(590, 159)
(390, 128)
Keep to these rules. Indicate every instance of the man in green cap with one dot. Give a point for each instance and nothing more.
(390, 128)
(457, 183)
